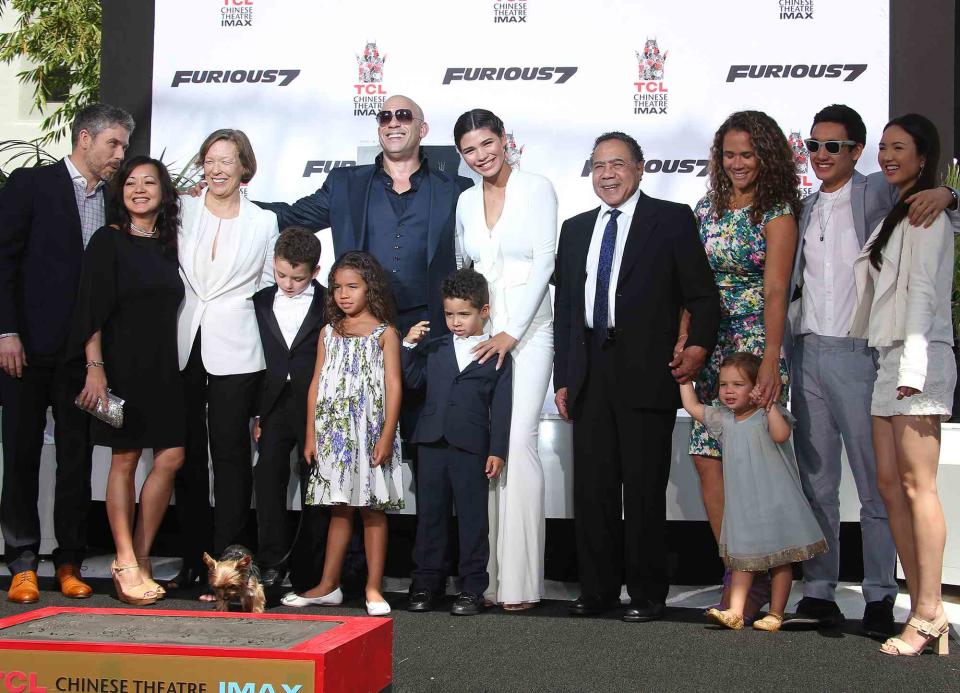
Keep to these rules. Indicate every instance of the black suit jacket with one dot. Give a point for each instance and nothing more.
(342, 204)
(297, 361)
(663, 270)
(41, 252)
(470, 408)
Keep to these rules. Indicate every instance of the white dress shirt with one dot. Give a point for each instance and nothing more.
(291, 311)
(830, 247)
(461, 348)
(593, 256)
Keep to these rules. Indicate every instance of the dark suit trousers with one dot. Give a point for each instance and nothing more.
(45, 382)
(617, 448)
(281, 431)
(224, 404)
(447, 473)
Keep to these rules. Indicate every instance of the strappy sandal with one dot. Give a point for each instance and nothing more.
(146, 570)
(520, 606)
(936, 633)
(770, 623)
(726, 618)
(140, 594)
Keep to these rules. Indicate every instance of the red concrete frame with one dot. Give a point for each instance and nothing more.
(334, 652)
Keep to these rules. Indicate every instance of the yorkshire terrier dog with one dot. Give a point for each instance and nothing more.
(234, 577)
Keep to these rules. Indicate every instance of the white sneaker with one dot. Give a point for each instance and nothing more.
(335, 598)
(377, 608)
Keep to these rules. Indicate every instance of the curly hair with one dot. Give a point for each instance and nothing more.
(298, 245)
(168, 214)
(466, 284)
(380, 301)
(776, 181)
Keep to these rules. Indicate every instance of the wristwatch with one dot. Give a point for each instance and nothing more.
(956, 199)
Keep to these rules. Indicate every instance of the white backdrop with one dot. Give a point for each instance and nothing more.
(314, 119)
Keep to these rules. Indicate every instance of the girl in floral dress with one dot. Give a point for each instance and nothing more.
(355, 462)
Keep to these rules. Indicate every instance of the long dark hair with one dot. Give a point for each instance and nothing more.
(475, 119)
(168, 215)
(927, 140)
(776, 174)
(379, 297)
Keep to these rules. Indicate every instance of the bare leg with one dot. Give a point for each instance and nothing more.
(375, 547)
(780, 584)
(155, 498)
(120, 506)
(338, 539)
(740, 581)
(918, 455)
(710, 470)
(895, 500)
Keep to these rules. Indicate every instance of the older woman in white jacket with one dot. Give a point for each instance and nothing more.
(226, 255)
(904, 277)
(507, 227)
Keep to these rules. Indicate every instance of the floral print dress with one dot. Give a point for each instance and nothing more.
(349, 413)
(737, 252)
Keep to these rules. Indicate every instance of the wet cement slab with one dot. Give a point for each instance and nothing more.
(274, 634)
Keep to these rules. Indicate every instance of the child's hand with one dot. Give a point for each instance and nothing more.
(256, 430)
(417, 332)
(382, 451)
(494, 466)
(310, 449)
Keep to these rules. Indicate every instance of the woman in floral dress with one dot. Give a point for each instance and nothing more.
(749, 230)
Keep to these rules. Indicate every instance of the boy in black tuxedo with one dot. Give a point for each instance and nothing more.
(462, 437)
(289, 315)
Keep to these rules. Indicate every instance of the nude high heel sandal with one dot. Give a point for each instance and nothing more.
(138, 595)
(146, 569)
(936, 633)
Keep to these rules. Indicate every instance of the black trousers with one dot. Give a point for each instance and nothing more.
(281, 431)
(218, 406)
(620, 450)
(447, 473)
(45, 382)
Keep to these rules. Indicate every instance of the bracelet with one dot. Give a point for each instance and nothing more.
(9, 334)
(94, 364)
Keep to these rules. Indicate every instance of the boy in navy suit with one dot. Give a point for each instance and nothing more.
(289, 315)
(462, 437)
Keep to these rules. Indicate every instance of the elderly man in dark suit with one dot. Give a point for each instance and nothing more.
(624, 273)
(47, 216)
(398, 209)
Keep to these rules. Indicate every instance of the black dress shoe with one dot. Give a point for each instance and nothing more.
(421, 600)
(467, 604)
(270, 577)
(641, 613)
(814, 613)
(592, 605)
(878, 619)
(187, 577)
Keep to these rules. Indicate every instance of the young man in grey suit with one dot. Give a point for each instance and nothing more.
(833, 374)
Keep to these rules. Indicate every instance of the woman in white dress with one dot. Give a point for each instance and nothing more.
(507, 227)
(904, 276)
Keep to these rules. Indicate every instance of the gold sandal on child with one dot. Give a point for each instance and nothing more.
(936, 633)
(770, 623)
(726, 618)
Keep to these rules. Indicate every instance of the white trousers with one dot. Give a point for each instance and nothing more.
(516, 499)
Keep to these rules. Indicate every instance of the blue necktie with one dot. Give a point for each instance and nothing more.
(601, 306)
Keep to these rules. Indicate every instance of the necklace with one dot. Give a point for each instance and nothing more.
(140, 231)
(820, 216)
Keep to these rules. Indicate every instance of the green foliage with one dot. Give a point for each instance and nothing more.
(61, 39)
(952, 178)
(20, 153)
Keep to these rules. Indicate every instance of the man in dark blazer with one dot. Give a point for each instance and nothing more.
(47, 215)
(398, 209)
(463, 434)
(624, 273)
(290, 315)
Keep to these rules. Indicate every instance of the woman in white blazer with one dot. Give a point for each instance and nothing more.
(226, 255)
(507, 227)
(904, 277)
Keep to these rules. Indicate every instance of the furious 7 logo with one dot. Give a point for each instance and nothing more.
(663, 166)
(233, 77)
(853, 71)
(509, 74)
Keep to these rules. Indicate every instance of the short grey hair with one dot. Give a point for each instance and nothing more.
(97, 117)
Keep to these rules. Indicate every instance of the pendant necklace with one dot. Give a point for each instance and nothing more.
(820, 217)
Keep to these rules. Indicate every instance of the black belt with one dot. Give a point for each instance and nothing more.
(611, 334)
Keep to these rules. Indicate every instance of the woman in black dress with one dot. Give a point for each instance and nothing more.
(126, 320)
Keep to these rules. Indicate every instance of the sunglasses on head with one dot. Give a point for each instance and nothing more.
(403, 116)
(832, 146)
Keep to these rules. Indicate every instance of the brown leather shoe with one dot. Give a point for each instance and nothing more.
(70, 583)
(23, 588)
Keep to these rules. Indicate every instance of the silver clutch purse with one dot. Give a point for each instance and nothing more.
(111, 413)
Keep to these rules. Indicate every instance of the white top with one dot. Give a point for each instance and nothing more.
(216, 248)
(830, 248)
(291, 311)
(908, 300)
(462, 347)
(223, 304)
(517, 255)
(593, 257)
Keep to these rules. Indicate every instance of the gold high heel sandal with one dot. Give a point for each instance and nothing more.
(138, 595)
(726, 618)
(936, 633)
(146, 570)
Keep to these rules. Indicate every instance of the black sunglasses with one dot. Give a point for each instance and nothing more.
(403, 116)
(832, 146)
